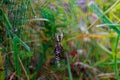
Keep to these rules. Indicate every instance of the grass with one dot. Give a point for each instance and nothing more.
(91, 39)
(2, 75)
(115, 58)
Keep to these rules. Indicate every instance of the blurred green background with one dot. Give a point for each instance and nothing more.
(90, 41)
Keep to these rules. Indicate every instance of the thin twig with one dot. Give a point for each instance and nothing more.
(106, 75)
(12, 76)
(23, 68)
(50, 71)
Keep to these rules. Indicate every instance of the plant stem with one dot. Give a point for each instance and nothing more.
(115, 58)
(69, 68)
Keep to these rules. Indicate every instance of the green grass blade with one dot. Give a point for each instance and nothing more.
(104, 18)
(9, 27)
(2, 75)
(105, 49)
(114, 25)
(6, 19)
(15, 56)
(115, 59)
(69, 68)
(33, 11)
(23, 43)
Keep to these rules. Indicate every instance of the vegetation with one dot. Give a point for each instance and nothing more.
(59, 39)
